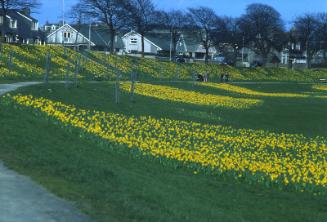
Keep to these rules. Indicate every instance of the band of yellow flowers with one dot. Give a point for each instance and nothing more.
(290, 160)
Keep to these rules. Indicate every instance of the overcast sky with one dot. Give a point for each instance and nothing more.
(289, 9)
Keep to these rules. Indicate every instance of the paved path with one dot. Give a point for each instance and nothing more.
(13, 86)
(22, 200)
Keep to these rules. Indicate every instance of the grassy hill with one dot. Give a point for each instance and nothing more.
(27, 62)
(82, 146)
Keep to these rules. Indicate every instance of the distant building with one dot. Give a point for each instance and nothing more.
(133, 44)
(68, 36)
(50, 27)
(20, 27)
(83, 36)
(158, 42)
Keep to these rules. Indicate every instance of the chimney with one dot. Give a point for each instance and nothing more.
(26, 11)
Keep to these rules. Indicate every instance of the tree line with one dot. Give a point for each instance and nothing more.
(260, 28)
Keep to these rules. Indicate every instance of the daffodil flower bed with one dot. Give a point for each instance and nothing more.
(257, 156)
(156, 69)
(28, 62)
(245, 91)
(320, 87)
(191, 97)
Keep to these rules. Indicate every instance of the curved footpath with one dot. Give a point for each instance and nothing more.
(23, 200)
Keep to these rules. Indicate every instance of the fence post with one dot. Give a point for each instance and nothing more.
(194, 77)
(10, 62)
(117, 84)
(77, 67)
(117, 88)
(133, 82)
(65, 52)
(107, 66)
(161, 73)
(67, 76)
(47, 68)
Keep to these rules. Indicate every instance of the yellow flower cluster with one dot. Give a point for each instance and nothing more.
(249, 92)
(320, 87)
(245, 91)
(28, 62)
(153, 68)
(257, 155)
(191, 97)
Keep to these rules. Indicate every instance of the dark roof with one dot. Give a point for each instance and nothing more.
(160, 39)
(191, 40)
(163, 38)
(100, 35)
(28, 16)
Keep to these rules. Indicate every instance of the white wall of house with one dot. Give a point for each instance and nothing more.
(67, 35)
(133, 43)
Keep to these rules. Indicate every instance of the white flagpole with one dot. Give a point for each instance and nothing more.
(63, 12)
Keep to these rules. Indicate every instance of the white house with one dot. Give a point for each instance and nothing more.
(68, 36)
(133, 44)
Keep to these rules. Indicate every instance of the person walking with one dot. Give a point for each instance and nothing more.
(206, 76)
(222, 76)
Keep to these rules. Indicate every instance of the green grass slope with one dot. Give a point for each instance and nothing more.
(111, 184)
(27, 62)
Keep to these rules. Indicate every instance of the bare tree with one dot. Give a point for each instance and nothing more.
(110, 12)
(234, 36)
(228, 35)
(263, 29)
(322, 33)
(205, 19)
(307, 26)
(7, 5)
(142, 14)
(175, 21)
(78, 14)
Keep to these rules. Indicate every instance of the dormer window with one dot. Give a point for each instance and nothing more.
(13, 23)
(133, 41)
(53, 27)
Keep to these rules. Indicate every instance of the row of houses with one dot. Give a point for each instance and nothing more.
(156, 42)
(22, 28)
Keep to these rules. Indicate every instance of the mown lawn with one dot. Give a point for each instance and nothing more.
(117, 186)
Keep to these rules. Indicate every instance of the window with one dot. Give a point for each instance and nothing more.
(1, 19)
(13, 23)
(35, 26)
(67, 35)
(298, 46)
(133, 41)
